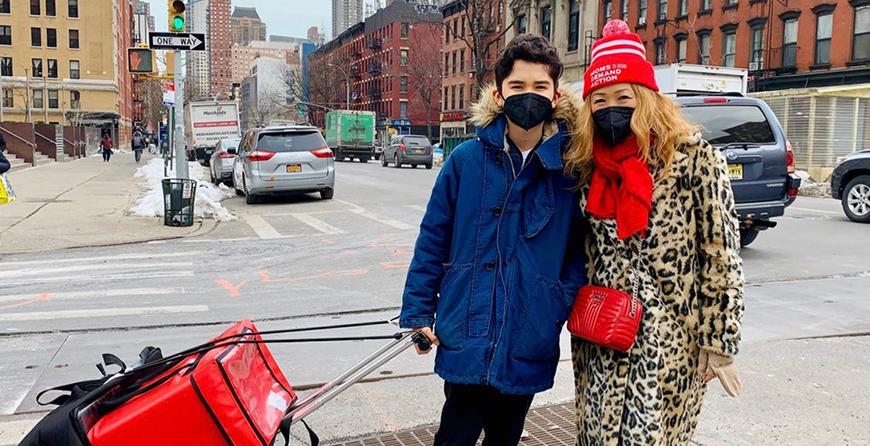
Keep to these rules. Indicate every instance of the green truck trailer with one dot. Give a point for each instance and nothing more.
(351, 134)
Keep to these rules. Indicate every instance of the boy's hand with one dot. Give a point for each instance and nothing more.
(426, 331)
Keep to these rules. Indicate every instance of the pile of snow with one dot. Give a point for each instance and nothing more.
(208, 196)
(809, 188)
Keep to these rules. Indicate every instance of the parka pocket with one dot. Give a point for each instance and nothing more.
(539, 206)
(538, 328)
(452, 310)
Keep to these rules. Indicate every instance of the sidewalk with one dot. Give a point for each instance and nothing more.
(80, 203)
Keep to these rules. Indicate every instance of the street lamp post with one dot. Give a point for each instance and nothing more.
(346, 82)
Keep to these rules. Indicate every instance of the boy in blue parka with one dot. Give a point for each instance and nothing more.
(500, 257)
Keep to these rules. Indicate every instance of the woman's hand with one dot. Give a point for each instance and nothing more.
(426, 331)
(713, 365)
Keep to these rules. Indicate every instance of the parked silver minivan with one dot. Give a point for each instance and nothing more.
(221, 162)
(275, 160)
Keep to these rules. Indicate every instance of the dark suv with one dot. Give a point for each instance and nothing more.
(850, 183)
(408, 149)
(760, 159)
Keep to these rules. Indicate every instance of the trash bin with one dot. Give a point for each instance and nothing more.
(178, 200)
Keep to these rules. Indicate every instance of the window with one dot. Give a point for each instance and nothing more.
(789, 42)
(608, 10)
(37, 99)
(51, 37)
(704, 48)
(52, 68)
(756, 45)
(462, 31)
(53, 96)
(729, 47)
(37, 67)
(462, 61)
(5, 66)
(403, 58)
(546, 19)
(73, 38)
(455, 64)
(573, 25)
(403, 84)
(823, 38)
(742, 124)
(75, 99)
(453, 97)
(462, 97)
(5, 35)
(683, 8)
(624, 11)
(404, 30)
(706, 5)
(8, 98)
(447, 36)
(660, 51)
(663, 10)
(641, 12)
(4, 7)
(681, 48)
(456, 27)
(50, 9)
(446, 91)
(861, 42)
(403, 110)
(446, 64)
(74, 70)
(73, 8)
(36, 36)
(522, 24)
(34, 7)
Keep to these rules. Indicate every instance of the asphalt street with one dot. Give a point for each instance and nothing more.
(300, 261)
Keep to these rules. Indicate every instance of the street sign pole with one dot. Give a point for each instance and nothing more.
(180, 155)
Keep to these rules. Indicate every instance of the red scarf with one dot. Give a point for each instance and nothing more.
(621, 187)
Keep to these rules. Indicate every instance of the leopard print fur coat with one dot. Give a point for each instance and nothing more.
(692, 289)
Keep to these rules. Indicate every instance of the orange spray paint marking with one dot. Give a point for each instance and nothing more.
(234, 290)
(264, 276)
(401, 264)
(343, 273)
(41, 298)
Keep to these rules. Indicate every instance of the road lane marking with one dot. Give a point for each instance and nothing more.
(818, 211)
(382, 220)
(416, 207)
(266, 278)
(318, 224)
(121, 292)
(263, 229)
(96, 278)
(101, 258)
(92, 267)
(101, 312)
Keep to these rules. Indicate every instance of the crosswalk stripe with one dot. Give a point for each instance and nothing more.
(121, 292)
(96, 277)
(101, 312)
(416, 207)
(318, 224)
(3, 265)
(91, 267)
(382, 220)
(263, 229)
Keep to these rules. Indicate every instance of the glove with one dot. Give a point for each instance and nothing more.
(713, 365)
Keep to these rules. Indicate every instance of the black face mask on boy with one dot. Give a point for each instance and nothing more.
(527, 110)
(613, 123)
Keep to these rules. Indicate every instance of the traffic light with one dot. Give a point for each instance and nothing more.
(140, 60)
(176, 15)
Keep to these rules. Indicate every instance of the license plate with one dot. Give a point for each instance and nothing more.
(735, 171)
(294, 168)
(420, 151)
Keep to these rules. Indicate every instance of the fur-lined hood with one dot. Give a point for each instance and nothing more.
(486, 109)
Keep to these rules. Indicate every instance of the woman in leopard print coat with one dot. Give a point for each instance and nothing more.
(660, 206)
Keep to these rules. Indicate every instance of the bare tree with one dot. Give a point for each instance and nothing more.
(424, 71)
(151, 93)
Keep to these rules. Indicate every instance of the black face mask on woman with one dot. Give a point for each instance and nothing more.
(527, 110)
(613, 123)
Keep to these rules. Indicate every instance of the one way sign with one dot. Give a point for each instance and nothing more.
(177, 41)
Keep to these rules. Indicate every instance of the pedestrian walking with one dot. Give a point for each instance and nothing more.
(106, 147)
(664, 229)
(499, 256)
(138, 143)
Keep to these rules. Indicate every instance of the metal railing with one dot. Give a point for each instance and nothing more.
(32, 145)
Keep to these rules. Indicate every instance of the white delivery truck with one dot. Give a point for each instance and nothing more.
(206, 123)
(679, 78)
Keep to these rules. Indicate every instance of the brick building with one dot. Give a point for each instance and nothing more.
(244, 56)
(247, 25)
(783, 44)
(220, 49)
(379, 57)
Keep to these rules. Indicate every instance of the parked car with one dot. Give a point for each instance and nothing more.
(408, 149)
(760, 159)
(222, 160)
(850, 183)
(286, 159)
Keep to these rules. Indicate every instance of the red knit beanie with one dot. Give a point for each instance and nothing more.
(618, 57)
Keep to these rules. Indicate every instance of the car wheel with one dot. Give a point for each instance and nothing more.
(327, 194)
(856, 199)
(747, 236)
(429, 165)
(363, 160)
(249, 197)
(396, 161)
(413, 166)
(377, 157)
(236, 187)
(384, 161)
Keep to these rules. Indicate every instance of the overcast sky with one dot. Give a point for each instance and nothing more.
(284, 17)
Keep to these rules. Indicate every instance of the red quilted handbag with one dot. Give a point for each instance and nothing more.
(605, 316)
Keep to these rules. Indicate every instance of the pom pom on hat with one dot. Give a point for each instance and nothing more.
(619, 56)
